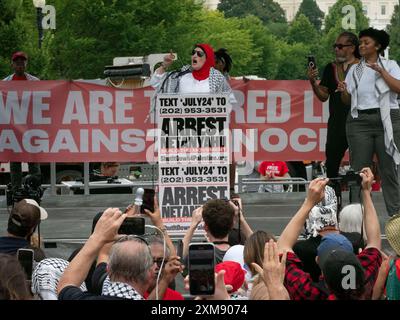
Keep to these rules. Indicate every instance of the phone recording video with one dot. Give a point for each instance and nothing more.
(311, 62)
(201, 269)
(148, 200)
(25, 258)
(132, 225)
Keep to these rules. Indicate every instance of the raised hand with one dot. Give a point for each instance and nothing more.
(342, 87)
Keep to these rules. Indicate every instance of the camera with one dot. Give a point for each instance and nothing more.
(350, 178)
(31, 189)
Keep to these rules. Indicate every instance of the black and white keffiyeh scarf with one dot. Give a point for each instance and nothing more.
(46, 276)
(170, 83)
(120, 290)
(323, 214)
(382, 92)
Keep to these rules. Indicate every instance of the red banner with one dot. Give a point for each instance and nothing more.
(70, 121)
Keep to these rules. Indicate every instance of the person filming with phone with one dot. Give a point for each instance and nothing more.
(346, 52)
(218, 216)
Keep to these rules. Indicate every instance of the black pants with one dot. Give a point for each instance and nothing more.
(297, 169)
(335, 148)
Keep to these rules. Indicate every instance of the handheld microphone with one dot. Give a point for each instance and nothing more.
(139, 197)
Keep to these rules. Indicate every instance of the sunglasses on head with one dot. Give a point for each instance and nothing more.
(200, 54)
(341, 46)
(132, 237)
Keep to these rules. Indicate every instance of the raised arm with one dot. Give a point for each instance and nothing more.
(197, 216)
(245, 229)
(391, 81)
(371, 221)
(273, 272)
(172, 268)
(159, 73)
(106, 231)
(344, 93)
(316, 193)
(157, 221)
(321, 92)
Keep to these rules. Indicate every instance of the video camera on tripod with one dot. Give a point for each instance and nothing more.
(31, 189)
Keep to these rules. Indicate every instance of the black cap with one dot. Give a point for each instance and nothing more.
(337, 264)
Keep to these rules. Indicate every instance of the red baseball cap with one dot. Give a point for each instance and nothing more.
(234, 274)
(19, 54)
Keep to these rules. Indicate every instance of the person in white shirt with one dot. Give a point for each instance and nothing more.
(371, 88)
(199, 77)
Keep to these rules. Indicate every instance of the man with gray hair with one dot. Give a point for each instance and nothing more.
(166, 264)
(130, 265)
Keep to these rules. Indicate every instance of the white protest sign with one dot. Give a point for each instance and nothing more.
(193, 153)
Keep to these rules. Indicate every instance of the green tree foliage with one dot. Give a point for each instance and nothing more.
(311, 10)
(394, 32)
(292, 61)
(266, 44)
(335, 15)
(18, 31)
(267, 10)
(12, 32)
(227, 33)
(302, 31)
(91, 33)
(278, 29)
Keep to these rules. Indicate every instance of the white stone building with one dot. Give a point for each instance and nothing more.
(379, 12)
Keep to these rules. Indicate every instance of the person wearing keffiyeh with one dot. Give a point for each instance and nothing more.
(200, 76)
(130, 267)
(321, 220)
(373, 126)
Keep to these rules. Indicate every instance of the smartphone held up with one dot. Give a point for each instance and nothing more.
(201, 269)
(25, 258)
(148, 200)
(311, 62)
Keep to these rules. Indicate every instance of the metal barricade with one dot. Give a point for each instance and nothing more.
(244, 182)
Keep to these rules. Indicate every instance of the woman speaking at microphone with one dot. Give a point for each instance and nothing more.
(199, 77)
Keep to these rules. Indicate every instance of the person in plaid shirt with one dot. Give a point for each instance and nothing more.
(335, 253)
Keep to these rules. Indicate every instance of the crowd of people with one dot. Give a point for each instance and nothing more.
(341, 257)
